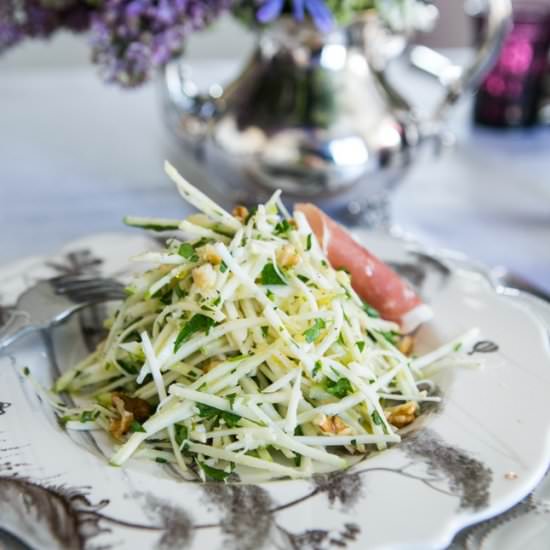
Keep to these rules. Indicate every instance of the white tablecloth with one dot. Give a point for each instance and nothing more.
(75, 156)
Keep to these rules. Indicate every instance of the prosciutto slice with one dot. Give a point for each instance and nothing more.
(374, 281)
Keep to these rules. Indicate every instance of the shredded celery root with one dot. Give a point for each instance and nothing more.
(243, 350)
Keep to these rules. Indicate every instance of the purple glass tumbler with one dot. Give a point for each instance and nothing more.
(510, 94)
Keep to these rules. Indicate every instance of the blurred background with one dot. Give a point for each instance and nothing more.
(65, 135)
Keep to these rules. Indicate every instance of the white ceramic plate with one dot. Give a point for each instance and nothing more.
(480, 452)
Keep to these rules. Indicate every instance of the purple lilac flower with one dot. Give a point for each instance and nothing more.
(317, 9)
(39, 19)
(10, 28)
(132, 38)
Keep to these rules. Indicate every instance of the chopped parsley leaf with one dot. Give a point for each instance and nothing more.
(208, 412)
(391, 337)
(308, 241)
(269, 276)
(370, 311)
(339, 389)
(316, 368)
(377, 419)
(313, 332)
(188, 252)
(197, 323)
(213, 473)
(231, 398)
(136, 426)
(128, 366)
(230, 419)
(282, 227)
(360, 345)
(88, 416)
(201, 242)
(181, 434)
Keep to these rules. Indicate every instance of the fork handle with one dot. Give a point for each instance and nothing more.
(17, 325)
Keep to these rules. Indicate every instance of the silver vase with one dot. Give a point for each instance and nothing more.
(314, 115)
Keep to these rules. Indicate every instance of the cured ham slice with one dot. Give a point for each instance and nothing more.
(371, 278)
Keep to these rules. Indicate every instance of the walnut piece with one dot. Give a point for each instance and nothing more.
(402, 415)
(204, 277)
(129, 409)
(240, 212)
(119, 426)
(140, 408)
(287, 256)
(333, 425)
(209, 254)
(406, 345)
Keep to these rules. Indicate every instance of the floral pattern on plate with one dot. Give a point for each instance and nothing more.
(451, 470)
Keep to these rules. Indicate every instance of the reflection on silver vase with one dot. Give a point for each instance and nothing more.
(314, 115)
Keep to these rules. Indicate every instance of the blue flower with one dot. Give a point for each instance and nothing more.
(317, 9)
(271, 9)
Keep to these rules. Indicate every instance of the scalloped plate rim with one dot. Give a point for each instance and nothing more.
(444, 535)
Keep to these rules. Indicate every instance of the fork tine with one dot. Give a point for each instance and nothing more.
(85, 283)
(97, 295)
(51, 301)
(68, 278)
(66, 281)
(97, 287)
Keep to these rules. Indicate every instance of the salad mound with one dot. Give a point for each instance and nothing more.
(241, 351)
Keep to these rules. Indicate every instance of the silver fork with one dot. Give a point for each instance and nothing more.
(52, 301)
